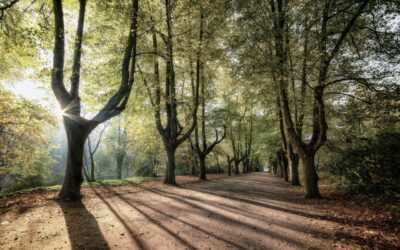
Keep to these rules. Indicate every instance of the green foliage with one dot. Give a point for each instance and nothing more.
(126, 181)
(369, 164)
(214, 169)
(24, 139)
(237, 54)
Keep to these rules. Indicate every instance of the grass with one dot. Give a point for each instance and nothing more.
(127, 181)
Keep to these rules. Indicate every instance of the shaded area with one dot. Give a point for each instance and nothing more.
(254, 211)
(131, 203)
(83, 229)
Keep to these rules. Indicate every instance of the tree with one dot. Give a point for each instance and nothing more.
(24, 145)
(323, 26)
(307, 151)
(201, 148)
(77, 127)
(91, 151)
(120, 149)
(236, 145)
(4, 6)
(172, 133)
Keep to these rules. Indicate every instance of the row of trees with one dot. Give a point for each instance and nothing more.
(263, 79)
(312, 50)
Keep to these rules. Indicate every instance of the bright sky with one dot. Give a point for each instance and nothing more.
(33, 90)
(30, 90)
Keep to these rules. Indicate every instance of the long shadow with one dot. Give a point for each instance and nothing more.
(348, 237)
(167, 230)
(286, 210)
(236, 210)
(130, 203)
(256, 191)
(232, 222)
(83, 230)
(261, 204)
(134, 235)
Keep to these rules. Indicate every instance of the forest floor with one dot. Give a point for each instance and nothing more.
(253, 211)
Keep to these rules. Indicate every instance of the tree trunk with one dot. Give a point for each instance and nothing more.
(170, 171)
(119, 167)
(285, 167)
(194, 165)
(236, 167)
(310, 177)
(202, 161)
(91, 154)
(217, 163)
(279, 171)
(76, 135)
(229, 166)
(293, 161)
(91, 168)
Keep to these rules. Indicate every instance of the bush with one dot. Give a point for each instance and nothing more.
(215, 170)
(369, 164)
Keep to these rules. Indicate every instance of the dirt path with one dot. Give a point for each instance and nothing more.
(256, 211)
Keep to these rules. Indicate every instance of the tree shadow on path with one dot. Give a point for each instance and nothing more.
(83, 229)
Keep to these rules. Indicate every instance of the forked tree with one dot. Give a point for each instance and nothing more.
(172, 134)
(77, 127)
(200, 144)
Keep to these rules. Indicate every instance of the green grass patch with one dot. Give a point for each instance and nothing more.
(13, 191)
(127, 181)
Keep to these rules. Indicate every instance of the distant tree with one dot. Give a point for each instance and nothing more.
(24, 144)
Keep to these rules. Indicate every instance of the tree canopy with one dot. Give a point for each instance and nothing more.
(306, 89)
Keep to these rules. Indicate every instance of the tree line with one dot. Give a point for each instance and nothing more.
(272, 83)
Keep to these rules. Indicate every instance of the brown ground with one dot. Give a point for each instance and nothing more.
(254, 211)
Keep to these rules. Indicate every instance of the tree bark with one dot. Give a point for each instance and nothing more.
(91, 179)
(229, 166)
(76, 135)
(202, 162)
(285, 167)
(236, 167)
(293, 162)
(310, 176)
(170, 171)
(120, 160)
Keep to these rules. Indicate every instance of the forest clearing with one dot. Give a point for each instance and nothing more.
(199, 124)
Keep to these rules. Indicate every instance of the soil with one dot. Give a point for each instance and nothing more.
(253, 211)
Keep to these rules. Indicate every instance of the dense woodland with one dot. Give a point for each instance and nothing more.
(308, 90)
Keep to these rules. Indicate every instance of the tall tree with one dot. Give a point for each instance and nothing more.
(200, 143)
(308, 150)
(173, 134)
(77, 127)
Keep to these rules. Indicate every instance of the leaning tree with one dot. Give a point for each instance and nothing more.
(77, 127)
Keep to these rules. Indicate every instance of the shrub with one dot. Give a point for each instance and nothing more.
(369, 164)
